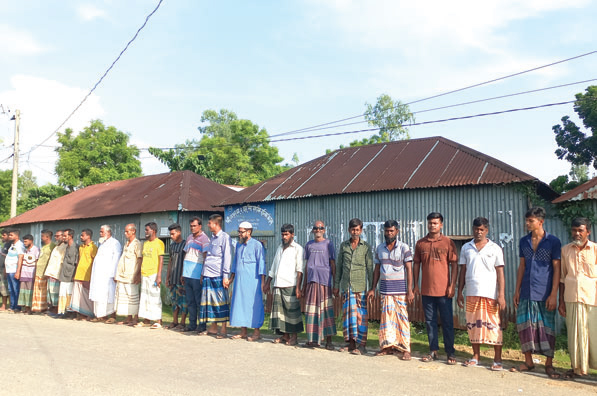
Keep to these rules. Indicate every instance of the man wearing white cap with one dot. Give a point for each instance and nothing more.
(248, 268)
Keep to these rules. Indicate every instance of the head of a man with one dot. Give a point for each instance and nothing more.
(195, 225)
(581, 229)
(86, 236)
(28, 241)
(287, 234)
(355, 228)
(318, 230)
(151, 230)
(46, 236)
(58, 237)
(175, 232)
(480, 229)
(245, 230)
(534, 218)
(105, 231)
(4, 236)
(68, 236)
(435, 222)
(390, 231)
(215, 223)
(14, 235)
(130, 232)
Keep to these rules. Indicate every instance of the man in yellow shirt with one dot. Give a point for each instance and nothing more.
(80, 302)
(150, 304)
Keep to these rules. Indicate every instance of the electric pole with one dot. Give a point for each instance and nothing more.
(15, 167)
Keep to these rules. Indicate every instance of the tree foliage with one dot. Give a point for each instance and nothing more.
(230, 151)
(98, 154)
(578, 175)
(36, 196)
(576, 146)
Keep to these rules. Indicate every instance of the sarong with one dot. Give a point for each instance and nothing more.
(215, 305)
(26, 293)
(178, 299)
(53, 292)
(286, 311)
(394, 327)
(127, 298)
(354, 317)
(319, 313)
(80, 301)
(3, 283)
(64, 296)
(483, 320)
(581, 324)
(102, 309)
(536, 327)
(40, 295)
(150, 302)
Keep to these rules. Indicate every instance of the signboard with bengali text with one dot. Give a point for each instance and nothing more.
(260, 215)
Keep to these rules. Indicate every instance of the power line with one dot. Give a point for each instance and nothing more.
(451, 92)
(100, 79)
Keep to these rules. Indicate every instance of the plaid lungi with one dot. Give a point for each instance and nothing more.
(39, 301)
(3, 283)
(354, 317)
(394, 327)
(150, 303)
(127, 298)
(286, 311)
(178, 299)
(319, 312)
(53, 292)
(215, 306)
(536, 327)
(26, 293)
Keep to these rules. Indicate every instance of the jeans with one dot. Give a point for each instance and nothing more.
(193, 291)
(431, 305)
(14, 286)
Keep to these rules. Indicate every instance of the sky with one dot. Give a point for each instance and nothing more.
(287, 65)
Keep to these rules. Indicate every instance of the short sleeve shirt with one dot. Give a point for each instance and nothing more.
(12, 257)
(127, 264)
(435, 256)
(392, 269)
(152, 250)
(44, 256)
(193, 259)
(86, 255)
(579, 273)
(481, 274)
(318, 256)
(537, 281)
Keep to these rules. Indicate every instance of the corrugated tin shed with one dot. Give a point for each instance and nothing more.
(176, 191)
(401, 165)
(587, 190)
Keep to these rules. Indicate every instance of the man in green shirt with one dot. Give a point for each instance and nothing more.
(354, 271)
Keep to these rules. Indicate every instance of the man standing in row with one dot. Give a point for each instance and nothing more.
(67, 271)
(195, 252)
(102, 286)
(435, 256)
(128, 277)
(174, 278)
(80, 301)
(287, 274)
(393, 268)
(40, 287)
(14, 260)
(150, 304)
(578, 298)
(53, 271)
(3, 281)
(248, 269)
(319, 276)
(354, 272)
(27, 274)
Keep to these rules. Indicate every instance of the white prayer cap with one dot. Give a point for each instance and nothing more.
(246, 225)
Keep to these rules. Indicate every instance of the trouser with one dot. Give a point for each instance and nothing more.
(14, 287)
(193, 289)
(431, 306)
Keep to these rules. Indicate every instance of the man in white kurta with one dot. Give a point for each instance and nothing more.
(102, 287)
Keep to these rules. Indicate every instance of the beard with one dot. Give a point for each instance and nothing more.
(390, 240)
(285, 243)
(245, 239)
(578, 242)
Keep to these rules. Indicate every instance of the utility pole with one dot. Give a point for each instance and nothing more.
(15, 167)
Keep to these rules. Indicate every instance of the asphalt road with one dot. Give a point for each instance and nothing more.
(41, 355)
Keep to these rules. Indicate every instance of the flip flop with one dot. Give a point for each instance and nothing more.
(220, 336)
(141, 324)
(496, 366)
(552, 373)
(384, 352)
(238, 337)
(430, 357)
(329, 346)
(292, 342)
(471, 363)
(522, 368)
(172, 326)
(570, 374)
(451, 360)
(280, 340)
(253, 339)
(405, 356)
(156, 325)
(110, 321)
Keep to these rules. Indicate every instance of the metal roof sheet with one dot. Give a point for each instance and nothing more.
(175, 191)
(587, 190)
(406, 164)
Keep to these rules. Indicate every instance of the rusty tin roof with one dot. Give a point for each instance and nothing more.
(587, 190)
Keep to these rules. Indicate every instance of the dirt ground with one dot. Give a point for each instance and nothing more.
(41, 355)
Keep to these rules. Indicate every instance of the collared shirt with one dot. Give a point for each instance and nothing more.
(354, 268)
(318, 256)
(219, 256)
(287, 263)
(435, 256)
(12, 257)
(127, 264)
(193, 259)
(55, 261)
(44, 256)
(69, 263)
(392, 267)
(579, 273)
(537, 281)
(481, 274)
(86, 255)
(152, 250)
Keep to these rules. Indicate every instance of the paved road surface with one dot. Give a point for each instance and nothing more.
(45, 356)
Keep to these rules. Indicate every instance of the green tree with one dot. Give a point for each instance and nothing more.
(37, 196)
(578, 175)
(576, 146)
(98, 154)
(5, 189)
(230, 151)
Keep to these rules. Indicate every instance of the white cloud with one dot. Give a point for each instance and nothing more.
(18, 42)
(89, 12)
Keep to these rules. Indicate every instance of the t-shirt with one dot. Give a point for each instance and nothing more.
(12, 257)
(318, 256)
(86, 255)
(3, 253)
(219, 256)
(481, 274)
(29, 262)
(127, 265)
(152, 250)
(392, 272)
(435, 256)
(537, 281)
(176, 257)
(193, 259)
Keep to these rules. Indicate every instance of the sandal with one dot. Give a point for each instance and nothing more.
(360, 350)
(570, 374)
(280, 340)
(172, 326)
(110, 321)
(329, 346)
(220, 336)
(522, 368)
(253, 338)
(238, 337)
(429, 358)
(384, 352)
(451, 360)
(405, 356)
(471, 363)
(552, 373)
(156, 325)
(496, 366)
(292, 342)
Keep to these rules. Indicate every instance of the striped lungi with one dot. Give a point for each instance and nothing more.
(3, 283)
(127, 298)
(483, 320)
(64, 296)
(26, 293)
(581, 325)
(215, 306)
(286, 311)
(39, 301)
(354, 317)
(80, 301)
(178, 299)
(319, 312)
(536, 327)
(394, 327)
(53, 292)
(150, 302)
